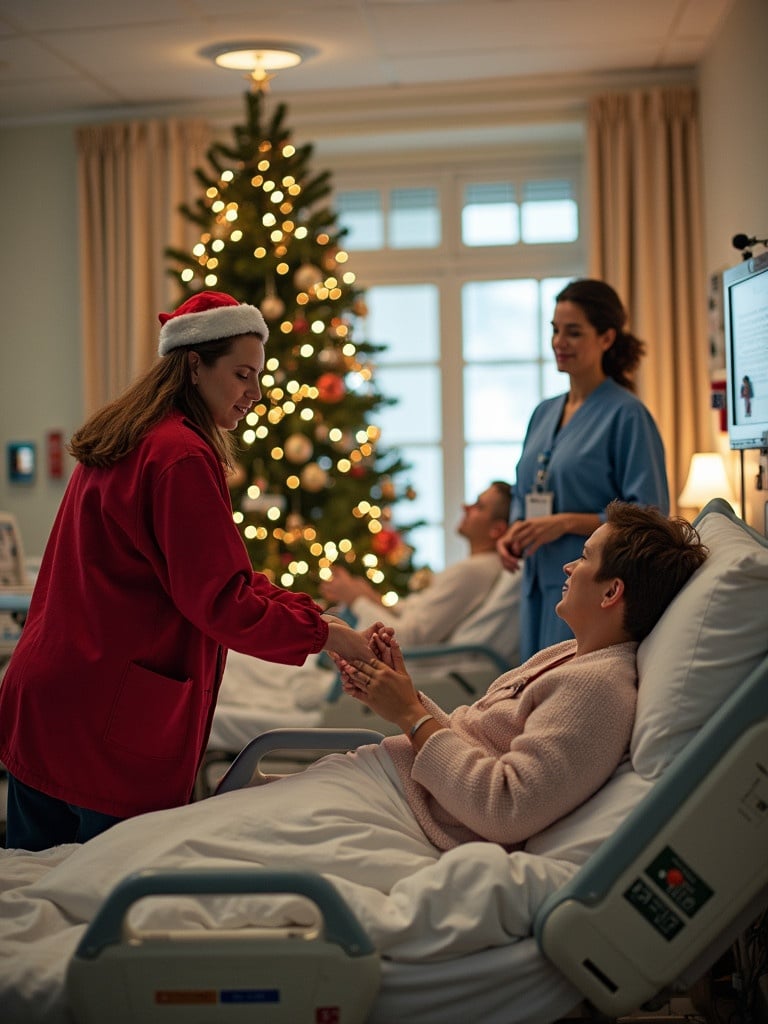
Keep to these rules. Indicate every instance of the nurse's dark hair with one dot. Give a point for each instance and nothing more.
(605, 311)
(654, 555)
(115, 429)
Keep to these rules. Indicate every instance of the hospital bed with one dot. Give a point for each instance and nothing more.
(643, 886)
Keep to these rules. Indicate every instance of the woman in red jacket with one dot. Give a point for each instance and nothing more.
(107, 701)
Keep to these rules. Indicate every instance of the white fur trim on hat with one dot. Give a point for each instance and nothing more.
(181, 329)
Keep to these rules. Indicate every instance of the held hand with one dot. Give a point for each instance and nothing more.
(345, 641)
(507, 548)
(388, 691)
(527, 535)
(385, 647)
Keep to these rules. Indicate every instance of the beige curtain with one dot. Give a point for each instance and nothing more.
(646, 240)
(131, 179)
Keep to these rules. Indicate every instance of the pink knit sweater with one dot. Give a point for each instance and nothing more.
(542, 740)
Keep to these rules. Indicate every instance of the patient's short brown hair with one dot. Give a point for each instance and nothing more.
(654, 555)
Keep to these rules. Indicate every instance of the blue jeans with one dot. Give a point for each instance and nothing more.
(35, 821)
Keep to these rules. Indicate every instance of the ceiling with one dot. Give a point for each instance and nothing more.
(98, 59)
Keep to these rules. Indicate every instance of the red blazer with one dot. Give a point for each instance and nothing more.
(145, 582)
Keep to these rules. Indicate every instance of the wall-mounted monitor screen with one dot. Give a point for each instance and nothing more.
(745, 319)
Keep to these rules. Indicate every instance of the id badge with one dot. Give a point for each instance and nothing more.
(538, 504)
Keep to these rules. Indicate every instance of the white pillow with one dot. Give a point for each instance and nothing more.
(708, 640)
(575, 837)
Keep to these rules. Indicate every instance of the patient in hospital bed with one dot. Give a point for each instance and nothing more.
(427, 616)
(389, 822)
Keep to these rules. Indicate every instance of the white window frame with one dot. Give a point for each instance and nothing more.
(452, 264)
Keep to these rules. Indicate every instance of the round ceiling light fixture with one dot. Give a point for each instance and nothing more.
(257, 57)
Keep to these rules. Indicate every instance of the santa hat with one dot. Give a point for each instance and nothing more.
(208, 316)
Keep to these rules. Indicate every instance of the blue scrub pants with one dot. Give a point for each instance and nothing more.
(35, 821)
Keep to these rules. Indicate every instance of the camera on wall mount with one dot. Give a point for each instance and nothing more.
(745, 242)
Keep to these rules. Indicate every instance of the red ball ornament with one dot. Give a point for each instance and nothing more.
(330, 388)
(300, 325)
(385, 541)
(357, 471)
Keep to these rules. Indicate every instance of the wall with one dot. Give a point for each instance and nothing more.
(733, 89)
(40, 387)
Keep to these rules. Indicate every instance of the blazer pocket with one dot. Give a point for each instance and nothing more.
(151, 714)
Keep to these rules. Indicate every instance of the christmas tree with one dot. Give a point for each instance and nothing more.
(312, 488)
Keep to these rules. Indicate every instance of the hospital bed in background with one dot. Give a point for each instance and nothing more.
(457, 672)
(669, 860)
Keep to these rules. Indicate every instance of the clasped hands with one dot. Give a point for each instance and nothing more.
(525, 536)
(382, 682)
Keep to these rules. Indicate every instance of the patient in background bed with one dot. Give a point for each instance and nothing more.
(428, 616)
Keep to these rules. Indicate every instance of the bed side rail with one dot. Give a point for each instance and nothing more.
(283, 976)
(244, 770)
(686, 867)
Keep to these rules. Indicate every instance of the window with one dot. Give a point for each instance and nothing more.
(460, 271)
(403, 218)
(490, 215)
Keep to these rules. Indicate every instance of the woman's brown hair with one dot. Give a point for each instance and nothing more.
(115, 429)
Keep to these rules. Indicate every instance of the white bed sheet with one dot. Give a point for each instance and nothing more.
(426, 913)
(259, 695)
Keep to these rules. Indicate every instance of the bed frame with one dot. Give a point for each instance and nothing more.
(682, 877)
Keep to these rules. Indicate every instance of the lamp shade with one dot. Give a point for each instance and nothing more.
(707, 479)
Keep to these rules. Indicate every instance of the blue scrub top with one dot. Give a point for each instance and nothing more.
(610, 448)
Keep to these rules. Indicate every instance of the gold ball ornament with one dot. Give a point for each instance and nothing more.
(388, 491)
(307, 276)
(313, 478)
(272, 307)
(330, 358)
(297, 448)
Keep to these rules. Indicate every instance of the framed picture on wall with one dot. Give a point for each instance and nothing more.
(715, 326)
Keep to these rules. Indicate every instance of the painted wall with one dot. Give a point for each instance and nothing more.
(40, 372)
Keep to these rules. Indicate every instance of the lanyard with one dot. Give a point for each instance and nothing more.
(540, 480)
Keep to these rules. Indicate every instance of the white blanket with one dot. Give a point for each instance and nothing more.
(260, 695)
(415, 904)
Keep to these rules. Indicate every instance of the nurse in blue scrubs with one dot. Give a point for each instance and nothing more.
(582, 449)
